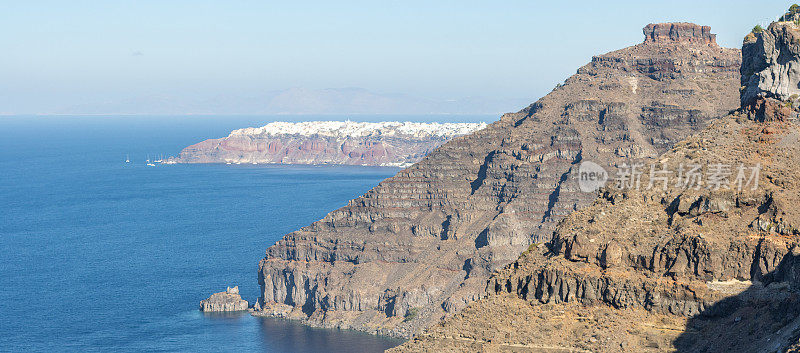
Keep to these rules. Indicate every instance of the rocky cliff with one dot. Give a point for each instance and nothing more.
(422, 244)
(679, 32)
(327, 142)
(706, 266)
(770, 78)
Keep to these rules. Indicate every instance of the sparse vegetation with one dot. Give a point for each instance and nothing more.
(792, 101)
(757, 29)
(411, 314)
(790, 15)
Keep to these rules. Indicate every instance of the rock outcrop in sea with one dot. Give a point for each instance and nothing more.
(687, 267)
(421, 245)
(229, 300)
(327, 142)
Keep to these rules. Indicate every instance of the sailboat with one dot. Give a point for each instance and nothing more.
(149, 164)
(127, 159)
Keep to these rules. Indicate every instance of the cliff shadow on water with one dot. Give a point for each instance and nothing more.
(287, 336)
(765, 317)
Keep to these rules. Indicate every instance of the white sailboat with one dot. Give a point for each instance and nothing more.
(127, 159)
(149, 164)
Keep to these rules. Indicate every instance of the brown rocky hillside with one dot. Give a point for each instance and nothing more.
(422, 244)
(686, 267)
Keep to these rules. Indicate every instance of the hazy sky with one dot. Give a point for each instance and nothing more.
(57, 53)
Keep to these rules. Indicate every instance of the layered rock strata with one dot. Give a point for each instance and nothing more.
(327, 142)
(422, 244)
(677, 32)
(708, 267)
(229, 300)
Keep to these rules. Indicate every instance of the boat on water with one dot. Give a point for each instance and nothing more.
(127, 159)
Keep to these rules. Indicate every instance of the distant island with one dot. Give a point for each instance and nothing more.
(397, 144)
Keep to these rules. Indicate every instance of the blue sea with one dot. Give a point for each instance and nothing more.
(100, 255)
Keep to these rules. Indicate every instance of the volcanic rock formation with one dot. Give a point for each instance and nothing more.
(708, 267)
(229, 300)
(422, 244)
(679, 32)
(327, 142)
(770, 79)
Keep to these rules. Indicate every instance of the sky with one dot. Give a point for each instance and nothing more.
(63, 53)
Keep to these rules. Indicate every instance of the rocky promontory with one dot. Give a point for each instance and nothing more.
(229, 300)
(327, 142)
(421, 245)
(706, 266)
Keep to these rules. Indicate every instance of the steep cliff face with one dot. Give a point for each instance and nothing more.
(679, 32)
(769, 71)
(708, 267)
(423, 243)
(327, 142)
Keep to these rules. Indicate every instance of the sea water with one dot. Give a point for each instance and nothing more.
(101, 255)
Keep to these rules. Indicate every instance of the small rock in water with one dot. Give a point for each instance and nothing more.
(229, 300)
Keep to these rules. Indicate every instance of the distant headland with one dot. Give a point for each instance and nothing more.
(397, 144)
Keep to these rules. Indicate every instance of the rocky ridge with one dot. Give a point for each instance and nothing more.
(421, 245)
(688, 268)
(327, 142)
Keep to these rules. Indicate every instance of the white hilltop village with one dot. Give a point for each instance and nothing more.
(392, 143)
(350, 129)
